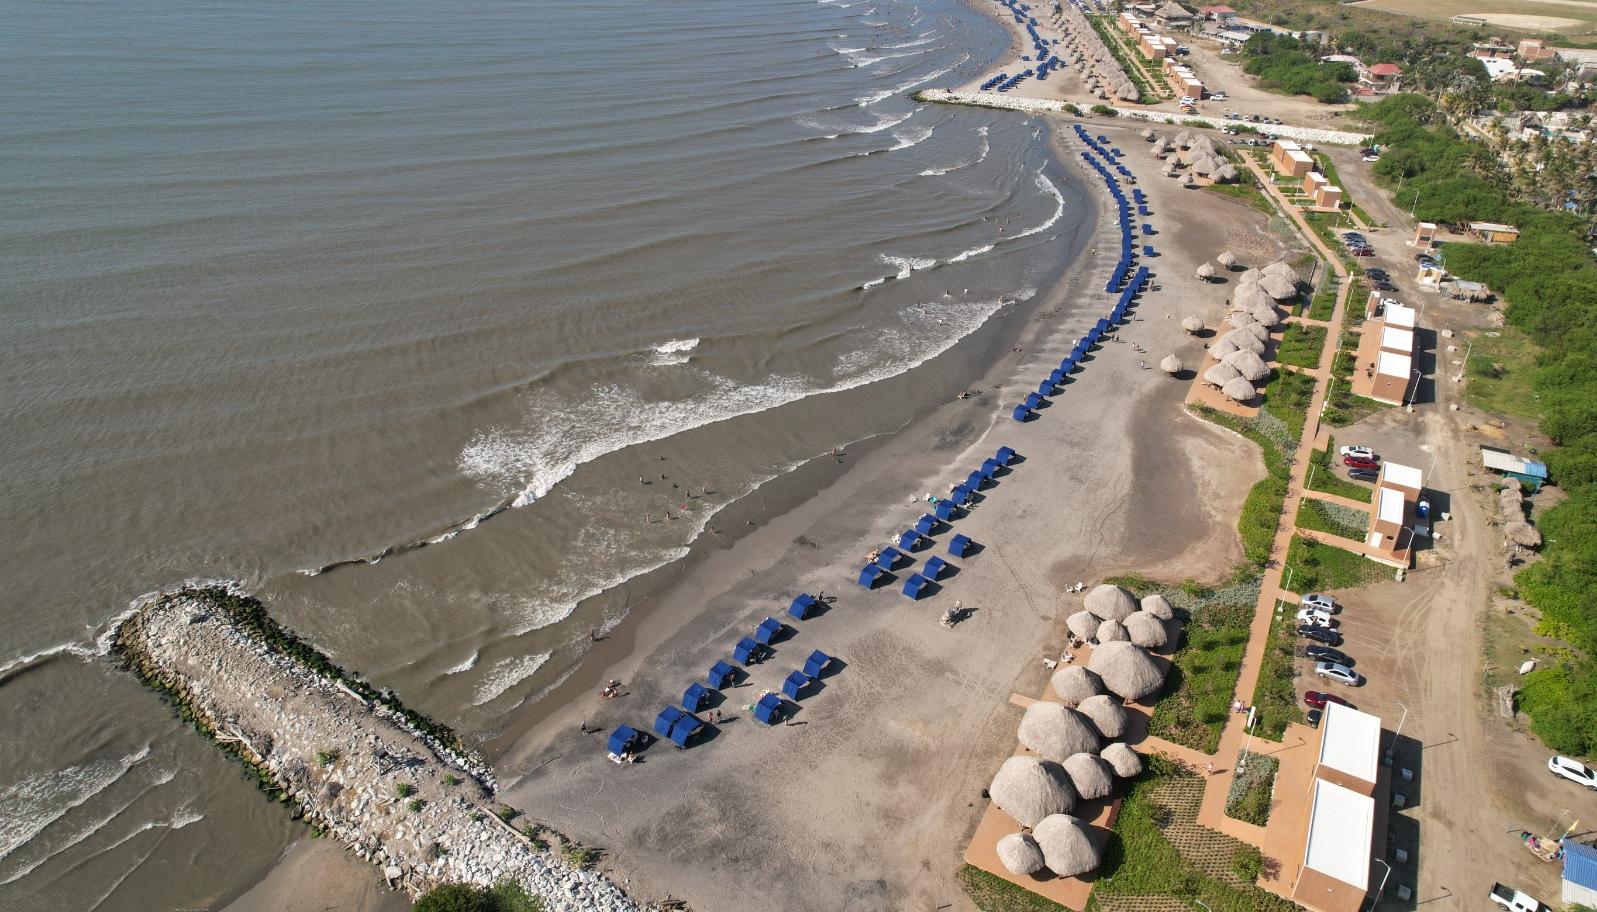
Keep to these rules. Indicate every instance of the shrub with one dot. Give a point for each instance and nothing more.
(404, 789)
(1247, 863)
(327, 757)
(1103, 110)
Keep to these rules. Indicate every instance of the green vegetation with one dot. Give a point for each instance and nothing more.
(1287, 397)
(1323, 305)
(1103, 110)
(1251, 790)
(326, 757)
(1316, 567)
(1247, 863)
(1301, 345)
(1261, 509)
(507, 813)
(1287, 65)
(1342, 406)
(504, 896)
(991, 893)
(415, 804)
(1323, 477)
(1333, 519)
(1501, 370)
(451, 780)
(579, 856)
(1275, 700)
(1246, 189)
(404, 789)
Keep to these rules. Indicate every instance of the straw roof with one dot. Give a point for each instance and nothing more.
(1252, 275)
(1146, 630)
(1082, 624)
(1244, 341)
(1239, 319)
(1122, 759)
(1205, 164)
(1226, 259)
(1202, 143)
(1239, 390)
(1111, 631)
(1222, 348)
(1227, 173)
(1265, 316)
(1256, 329)
(1219, 375)
(1279, 287)
(1029, 789)
(1171, 170)
(1106, 713)
(1127, 670)
(1171, 364)
(1127, 92)
(1056, 731)
(1249, 365)
(1020, 854)
(1110, 602)
(1068, 846)
(1147, 134)
(1074, 683)
(1250, 296)
(1206, 271)
(1158, 606)
(1281, 268)
(1184, 138)
(1092, 777)
(1192, 323)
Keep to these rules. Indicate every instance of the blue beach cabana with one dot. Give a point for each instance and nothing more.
(684, 729)
(816, 663)
(934, 568)
(887, 557)
(721, 674)
(1032, 400)
(945, 510)
(801, 606)
(1047, 388)
(746, 651)
(625, 738)
(1005, 455)
(869, 574)
(989, 468)
(959, 545)
(693, 698)
(667, 718)
(974, 480)
(769, 709)
(908, 539)
(1021, 413)
(1057, 375)
(768, 630)
(794, 684)
(925, 524)
(914, 585)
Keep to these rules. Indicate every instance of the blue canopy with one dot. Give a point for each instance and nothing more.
(769, 709)
(945, 509)
(908, 539)
(1057, 375)
(887, 557)
(1101, 327)
(817, 661)
(1033, 400)
(1005, 455)
(958, 545)
(933, 569)
(1047, 388)
(1067, 365)
(1147, 229)
(623, 739)
(914, 585)
(767, 631)
(745, 650)
(1142, 210)
(794, 684)
(925, 524)
(989, 468)
(693, 698)
(667, 718)
(685, 728)
(974, 480)
(721, 674)
(801, 606)
(867, 577)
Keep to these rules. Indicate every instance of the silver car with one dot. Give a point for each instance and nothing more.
(1318, 602)
(1339, 673)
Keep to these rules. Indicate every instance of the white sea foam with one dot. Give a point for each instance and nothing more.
(23, 661)
(910, 137)
(1047, 186)
(883, 122)
(38, 801)
(964, 255)
(981, 156)
(507, 673)
(85, 832)
(467, 665)
(907, 266)
(866, 101)
(676, 351)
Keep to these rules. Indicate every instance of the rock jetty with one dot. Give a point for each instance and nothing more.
(399, 790)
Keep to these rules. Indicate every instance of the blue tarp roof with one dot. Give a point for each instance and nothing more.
(934, 567)
(914, 585)
(768, 710)
(907, 539)
(868, 575)
(793, 684)
(801, 606)
(1005, 454)
(667, 718)
(622, 739)
(1580, 864)
(817, 661)
(720, 673)
(887, 557)
(744, 649)
(989, 468)
(685, 728)
(694, 696)
(767, 630)
(945, 509)
(958, 545)
(925, 524)
(961, 494)
(974, 480)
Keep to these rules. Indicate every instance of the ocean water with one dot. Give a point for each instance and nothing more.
(418, 320)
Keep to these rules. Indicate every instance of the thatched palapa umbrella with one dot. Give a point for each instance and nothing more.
(1106, 713)
(1244, 341)
(1122, 759)
(1068, 847)
(1091, 776)
(1219, 375)
(1205, 271)
(1158, 606)
(1238, 319)
(1184, 138)
(1523, 534)
(1226, 259)
(1223, 348)
(1056, 731)
(1192, 323)
(1171, 365)
(1249, 365)
(1083, 625)
(1020, 854)
(1109, 602)
(1073, 684)
(1283, 269)
(1147, 134)
(1029, 789)
(1239, 390)
(1256, 329)
(1279, 287)
(1146, 630)
(1249, 296)
(1127, 670)
(1112, 631)
(1226, 173)
(1252, 275)
(1266, 317)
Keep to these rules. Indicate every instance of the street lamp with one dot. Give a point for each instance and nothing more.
(1382, 888)
(1392, 748)
(1413, 387)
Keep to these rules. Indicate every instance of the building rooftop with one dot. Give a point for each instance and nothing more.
(1395, 338)
(1298, 155)
(1341, 828)
(1580, 864)
(1400, 315)
(1386, 69)
(1499, 461)
(1490, 226)
(1389, 507)
(1350, 741)
(1403, 476)
(1394, 364)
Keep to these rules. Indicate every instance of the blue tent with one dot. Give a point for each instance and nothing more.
(817, 662)
(914, 585)
(1067, 365)
(794, 684)
(908, 539)
(1047, 388)
(1142, 210)
(1005, 455)
(989, 468)
(887, 557)
(925, 524)
(769, 709)
(745, 651)
(1021, 413)
(1147, 229)
(667, 718)
(721, 675)
(1101, 327)
(1057, 375)
(685, 728)
(767, 631)
(933, 569)
(693, 698)
(974, 480)
(867, 577)
(945, 509)
(1147, 250)
(801, 606)
(1033, 400)
(958, 545)
(624, 739)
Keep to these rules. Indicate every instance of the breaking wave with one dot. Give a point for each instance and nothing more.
(676, 351)
(37, 802)
(506, 674)
(981, 156)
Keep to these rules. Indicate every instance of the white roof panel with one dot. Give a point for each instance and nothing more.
(1390, 507)
(1403, 476)
(1341, 827)
(1298, 155)
(1396, 338)
(1350, 741)
(1400, 315)
(1393, 364)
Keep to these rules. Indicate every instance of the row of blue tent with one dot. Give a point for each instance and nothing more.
(947, 510)
(1046, 61)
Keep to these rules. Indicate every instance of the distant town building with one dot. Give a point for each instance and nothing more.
(1491, 48)
(1425, 235)
(1493, 233)
(1173, 15)
(1220, 14)
(1533, 49)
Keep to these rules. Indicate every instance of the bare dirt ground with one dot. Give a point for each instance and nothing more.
(1222, 73)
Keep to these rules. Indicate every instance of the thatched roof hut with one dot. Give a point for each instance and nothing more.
(1106, 713)
(1192, 323)
(1146, 630)
(1279, 287)
(1172, 170)
(1222, 348)
(1056, 731)
(1112, 631)
(1283, 269)
(1249, 365)
(1239, 390)
(1158, 606)
(1020, 854)
(1109, 602)
(1226, 259)
(1127, 670)
(1147, 134)
(1074, 683)
(1184, 139)
(1256, 329)
(1092, 777)
(1219, 375)
(1250, 296)
(1252, 275)
(1068, 846)
(1227, 173)
(1267, 317)
(1244, 341)
(1205, 271)
(1127, 92)
(1172, 365)
(1029, 789)
(1083, 625)
(1122, 759)
(1205, 164)
(1238, 319)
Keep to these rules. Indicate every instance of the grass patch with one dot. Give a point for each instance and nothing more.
(1333, 519)
(991, 893)
(1275, 701)
(1287, 399)
(1245, 190)
(1323, 477)
(1251, 791)
(1500, 368)
(1301, 345)
(1316, 567)
(1323, 305)
(1325, 225)
(1328, 168)
(1262, 508)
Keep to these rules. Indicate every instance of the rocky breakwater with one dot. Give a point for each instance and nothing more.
(398, 789)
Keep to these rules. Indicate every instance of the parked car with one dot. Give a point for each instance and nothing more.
(1362, 251)
(1314, 616)
(1312, 717)
(1319, 698)
(1317, 600)
(1422, 257)
(1327, 654)
(1217, 96)
(1574, 771)
(1369, 475)
(1357, 450)
(1375, 272)
(1339, 673)
(1385, 286)
(1352, 236)
(1320, 634)
(1359, 462)
(1514, 900)
(1370, 158)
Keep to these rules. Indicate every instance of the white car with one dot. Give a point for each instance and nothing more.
(1318, 601)
(1360, 452)
(1370, 158)
(1339, 673)
(1314, 617)
(1573, 771)
(1217, 96)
